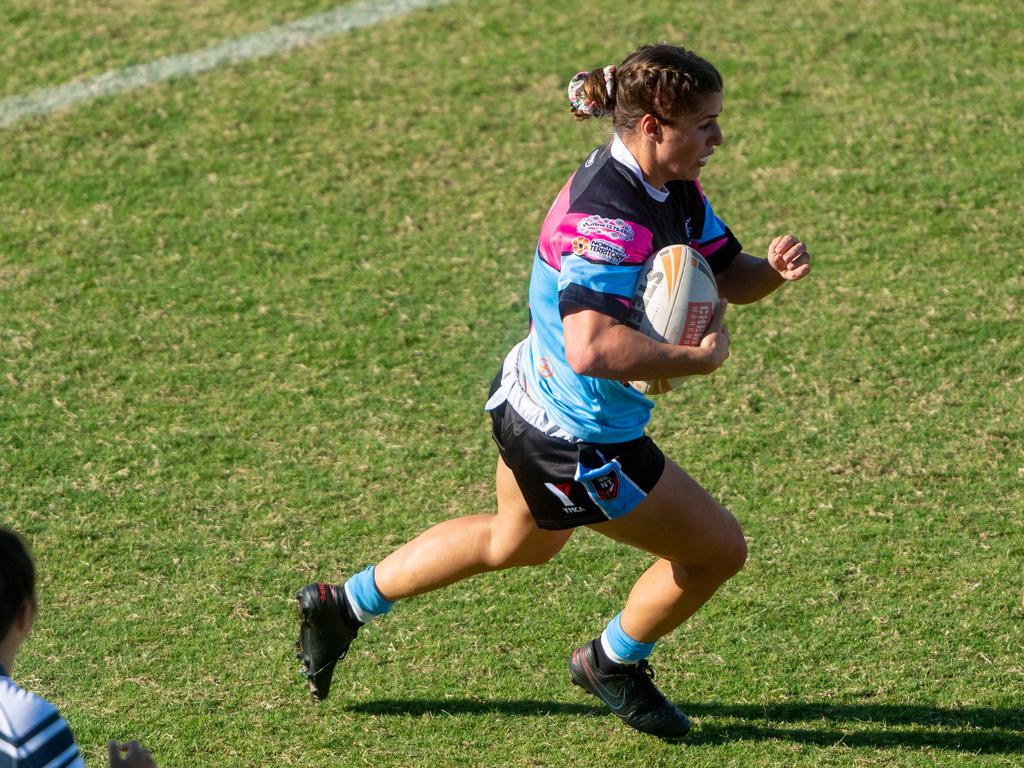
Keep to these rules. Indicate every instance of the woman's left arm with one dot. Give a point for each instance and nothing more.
(748, 278)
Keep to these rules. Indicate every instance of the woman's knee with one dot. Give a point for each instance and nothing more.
(718, 565)
(729, 554)
(734, 554)
(722, 555)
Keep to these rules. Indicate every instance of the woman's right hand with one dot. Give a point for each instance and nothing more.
(136, 756)
(715, 343)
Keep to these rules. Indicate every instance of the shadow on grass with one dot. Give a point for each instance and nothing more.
(418, 707)
(983, 730)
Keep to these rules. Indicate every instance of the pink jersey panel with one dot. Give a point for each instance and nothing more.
(708, 248)
(576, 230)
(550, 242)
(564, 232)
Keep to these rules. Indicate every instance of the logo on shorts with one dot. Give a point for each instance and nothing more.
(561, 491)
(607, 486)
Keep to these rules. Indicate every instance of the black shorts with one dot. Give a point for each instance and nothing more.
(570, 484)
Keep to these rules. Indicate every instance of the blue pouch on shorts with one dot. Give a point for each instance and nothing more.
(606, 484)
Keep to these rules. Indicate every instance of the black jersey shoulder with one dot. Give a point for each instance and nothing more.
(604, 186)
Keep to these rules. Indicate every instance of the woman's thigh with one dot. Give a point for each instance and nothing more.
(681, 522)
(515, 537)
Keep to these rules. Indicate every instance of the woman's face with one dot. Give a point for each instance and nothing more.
(688, 142)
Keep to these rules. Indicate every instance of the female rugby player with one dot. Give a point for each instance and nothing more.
(570, 432)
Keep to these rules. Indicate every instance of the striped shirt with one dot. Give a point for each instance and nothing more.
(32, 732)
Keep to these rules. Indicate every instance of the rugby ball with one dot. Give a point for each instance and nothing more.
(674, 302)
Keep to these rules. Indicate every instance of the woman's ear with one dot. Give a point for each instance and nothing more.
(25, 617)
(650, 128)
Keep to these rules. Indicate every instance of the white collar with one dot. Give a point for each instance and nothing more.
(621, 153)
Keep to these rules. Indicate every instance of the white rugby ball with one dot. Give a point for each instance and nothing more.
(674, 302)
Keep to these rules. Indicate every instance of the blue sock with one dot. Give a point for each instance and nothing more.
(366, 600)
(619, 647)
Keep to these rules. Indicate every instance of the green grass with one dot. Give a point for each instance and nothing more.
(247, 322)
(45, 43)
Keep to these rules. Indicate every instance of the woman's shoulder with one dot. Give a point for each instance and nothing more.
(607, 187)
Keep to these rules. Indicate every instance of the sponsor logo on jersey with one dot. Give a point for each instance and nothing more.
(561, 492)
(591, 159)
(544, 368)
(599, 249)
(688, 229)
(599, 225)
(607, 486)
(605, 251)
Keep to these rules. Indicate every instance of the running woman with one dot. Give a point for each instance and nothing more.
(569, 430)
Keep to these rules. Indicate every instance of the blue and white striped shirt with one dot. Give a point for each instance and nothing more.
(32, 732)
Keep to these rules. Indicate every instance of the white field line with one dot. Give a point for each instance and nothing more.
(273, 40)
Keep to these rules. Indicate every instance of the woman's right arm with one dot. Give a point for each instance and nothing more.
(598, 345)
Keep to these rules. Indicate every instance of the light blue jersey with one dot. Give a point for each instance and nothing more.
(595, 240)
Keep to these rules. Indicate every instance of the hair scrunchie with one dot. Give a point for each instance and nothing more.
(580, 104)
(609, 80)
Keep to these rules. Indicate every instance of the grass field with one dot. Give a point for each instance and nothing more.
(247, 322)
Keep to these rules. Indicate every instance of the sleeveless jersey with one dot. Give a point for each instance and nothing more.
(598, 234)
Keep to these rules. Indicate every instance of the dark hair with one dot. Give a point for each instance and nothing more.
(666, 81)
(17, 578)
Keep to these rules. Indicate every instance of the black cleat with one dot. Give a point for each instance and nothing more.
(324, 635)
(630, 694)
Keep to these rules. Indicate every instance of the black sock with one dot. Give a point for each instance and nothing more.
(347, 614)
(603, 662)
